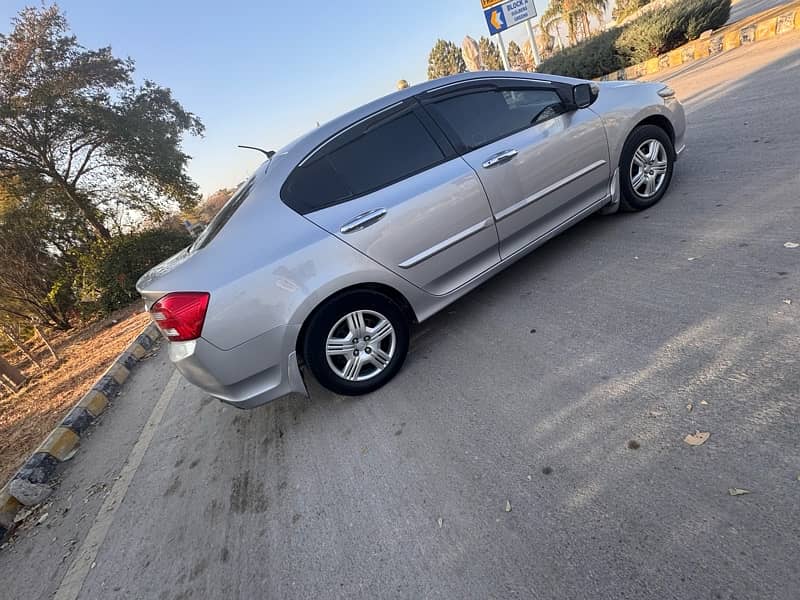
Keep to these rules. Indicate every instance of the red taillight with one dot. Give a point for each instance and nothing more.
(180, 315)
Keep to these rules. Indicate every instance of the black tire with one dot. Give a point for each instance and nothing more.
(631, 199)
(329, 315)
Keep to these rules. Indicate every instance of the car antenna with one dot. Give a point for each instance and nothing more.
(269, 153)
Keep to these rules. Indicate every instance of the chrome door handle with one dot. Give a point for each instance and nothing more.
(363, 220)
(499, 158)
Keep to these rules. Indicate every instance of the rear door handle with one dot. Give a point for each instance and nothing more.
(499, 158)
(363, 220)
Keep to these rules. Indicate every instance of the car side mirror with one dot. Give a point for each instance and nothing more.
(584, 94)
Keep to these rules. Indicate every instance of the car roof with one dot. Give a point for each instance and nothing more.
(298, 149)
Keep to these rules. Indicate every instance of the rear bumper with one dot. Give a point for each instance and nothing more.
(249, 375)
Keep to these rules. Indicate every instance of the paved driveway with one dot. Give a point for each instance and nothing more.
(562, 387)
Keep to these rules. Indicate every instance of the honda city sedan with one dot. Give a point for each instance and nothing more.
(346, 237)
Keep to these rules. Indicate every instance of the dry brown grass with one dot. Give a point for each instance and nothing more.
(29, 415)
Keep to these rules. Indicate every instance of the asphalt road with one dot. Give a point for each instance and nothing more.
(561, 386)
(745, 8)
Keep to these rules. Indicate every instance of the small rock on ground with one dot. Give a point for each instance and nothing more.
(29, 494)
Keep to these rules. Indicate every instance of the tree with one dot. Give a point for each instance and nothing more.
(35, 243)
(515, 58)
(445, 59)
(542, 40)
(490, 55)
(472, 54)
(575, 13)
(209, 207)
(625, 8)
(73, 118)
(590, 8)
(559, 11)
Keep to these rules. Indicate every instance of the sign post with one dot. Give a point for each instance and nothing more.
(503, 53)
(536, 58)
(502, 14)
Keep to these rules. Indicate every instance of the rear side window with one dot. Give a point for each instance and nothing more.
(362, 161)
(484, 116)
(224, 215)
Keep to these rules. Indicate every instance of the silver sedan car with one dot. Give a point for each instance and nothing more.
(352, 233)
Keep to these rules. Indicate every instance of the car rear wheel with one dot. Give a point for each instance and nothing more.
(356, 342)
(645, 167)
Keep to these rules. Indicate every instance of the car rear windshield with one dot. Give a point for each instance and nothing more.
(223, 216)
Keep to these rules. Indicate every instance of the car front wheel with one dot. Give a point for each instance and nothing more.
(645, 167)
(356, 342)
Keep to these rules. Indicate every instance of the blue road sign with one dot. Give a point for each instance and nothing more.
(495, 19)
(501, 17)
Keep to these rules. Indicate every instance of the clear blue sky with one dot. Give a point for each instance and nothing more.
(263, 72)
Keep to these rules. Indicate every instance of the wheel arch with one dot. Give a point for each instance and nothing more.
(662, 122)
(387, 290)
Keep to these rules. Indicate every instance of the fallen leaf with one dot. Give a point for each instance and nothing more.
(698, 438)
(703, 402)
(508, 506)
(791, 245)
(738, 491)
(440, 521)
(689, 407)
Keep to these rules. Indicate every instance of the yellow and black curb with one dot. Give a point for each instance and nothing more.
(765, 25)
(63, 441)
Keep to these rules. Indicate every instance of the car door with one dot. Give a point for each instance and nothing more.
(540, 162)
(394, 188)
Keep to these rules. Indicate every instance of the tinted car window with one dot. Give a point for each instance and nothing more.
(361, 162)
(314, 184)
(484, 116)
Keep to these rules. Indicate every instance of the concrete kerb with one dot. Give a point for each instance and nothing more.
(765, 25)
(63, 442)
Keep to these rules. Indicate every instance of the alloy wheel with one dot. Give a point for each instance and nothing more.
(649, 168)
(360, 345)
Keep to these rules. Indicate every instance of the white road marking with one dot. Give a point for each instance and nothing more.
(73, 581)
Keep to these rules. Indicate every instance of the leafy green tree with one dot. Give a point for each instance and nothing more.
(445, 59)
(516, 60)
(590, 8)
(74, 118)
(575, 14)
(625, 8)
(30, 238)
(490, 55)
